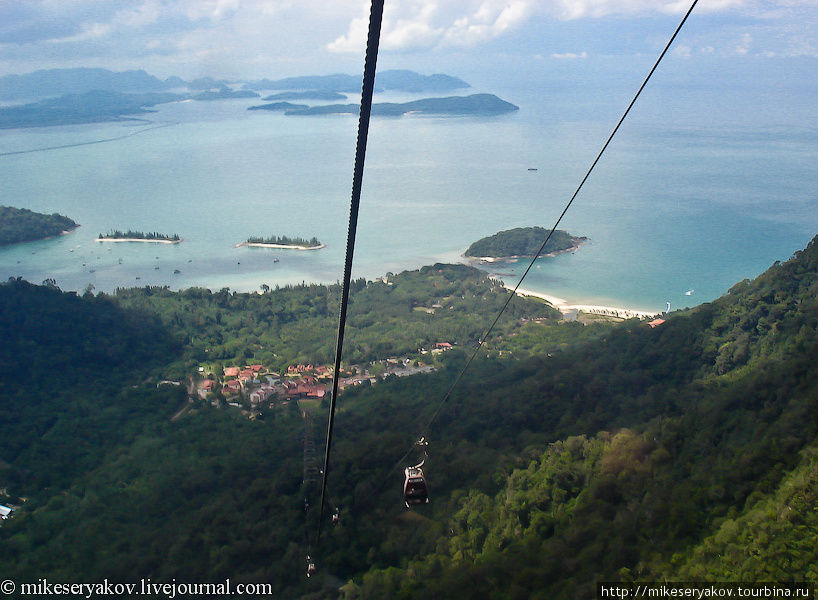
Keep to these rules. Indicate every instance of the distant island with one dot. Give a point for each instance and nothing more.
(139, 236)
(88, 107)
(23, 225)
(397, 79)
(279, 106)
(306, 95)
(77, 96)
(476, 104)
(523, 242)
(225, 93)
(283, 242)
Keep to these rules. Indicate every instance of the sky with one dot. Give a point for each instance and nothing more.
(245, 39)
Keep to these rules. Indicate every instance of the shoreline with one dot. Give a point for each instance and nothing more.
(596, 309)
(279, 246)
(137, 240)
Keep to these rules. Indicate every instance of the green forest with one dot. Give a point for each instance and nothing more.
(23, 225)
(568, 454)
(523, 241)
(139, 235)
(284, 240)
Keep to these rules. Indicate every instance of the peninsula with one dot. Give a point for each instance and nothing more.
(139, 236)
(23, 225)
(283, 242)
(522, 242)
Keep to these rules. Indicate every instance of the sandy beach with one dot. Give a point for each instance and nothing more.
(136, 240)
(279, 246)
(596, 309)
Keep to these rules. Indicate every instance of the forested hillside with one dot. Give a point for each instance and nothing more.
(694, 461)
(567, 455)
(23, 225)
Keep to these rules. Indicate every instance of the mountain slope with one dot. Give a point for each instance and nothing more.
(699, 459)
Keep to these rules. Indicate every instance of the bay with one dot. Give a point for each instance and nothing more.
(680, 205)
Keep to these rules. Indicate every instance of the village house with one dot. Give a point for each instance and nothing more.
(208, 385)
(261, 395)
(231, 387)
(441, 347)
(5, 512)
(231, 371)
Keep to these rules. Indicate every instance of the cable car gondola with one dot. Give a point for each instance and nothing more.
(415, 488)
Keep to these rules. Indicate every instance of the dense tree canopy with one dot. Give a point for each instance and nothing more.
(522, 241)
(23, 225)
(569, 454)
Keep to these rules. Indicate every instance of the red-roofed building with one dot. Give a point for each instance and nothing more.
(231, 387)
(655, 323)
(231, 371)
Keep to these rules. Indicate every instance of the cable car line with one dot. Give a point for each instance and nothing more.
(424, 430)
(368, 86)
(376, 15)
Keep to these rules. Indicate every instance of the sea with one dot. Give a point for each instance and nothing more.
(700, 189)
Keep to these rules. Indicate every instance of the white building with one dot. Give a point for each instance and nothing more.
(5, 512)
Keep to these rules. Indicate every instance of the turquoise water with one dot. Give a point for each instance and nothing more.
(676, 205)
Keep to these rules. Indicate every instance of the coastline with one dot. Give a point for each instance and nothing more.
(279, 246)
(595, 309)
(487, 260)
(137, 240)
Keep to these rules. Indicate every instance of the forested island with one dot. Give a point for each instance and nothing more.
(523, 242)
(139, 236)
(24, 225)
(89, 107)
(283, 241)
(476, 104)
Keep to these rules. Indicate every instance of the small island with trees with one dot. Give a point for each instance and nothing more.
(283, 242)
(23, 225)
(139, 236)
(522, 242)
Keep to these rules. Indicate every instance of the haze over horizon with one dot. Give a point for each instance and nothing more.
(236, 39)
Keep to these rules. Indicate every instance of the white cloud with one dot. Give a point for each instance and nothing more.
(211, 9)
(743, 46)
(577, 9)
(412, 24)
(491, 20)
(89, 32)
(569, 55)
(268, 37)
